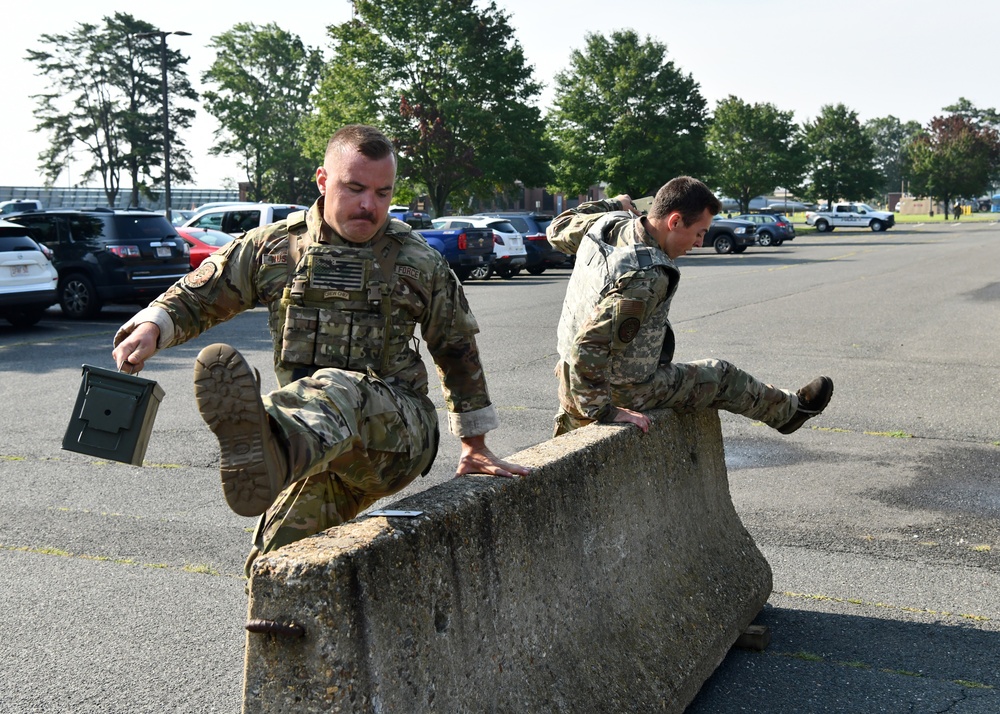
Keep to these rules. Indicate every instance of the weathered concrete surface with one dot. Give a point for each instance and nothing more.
(614, 578)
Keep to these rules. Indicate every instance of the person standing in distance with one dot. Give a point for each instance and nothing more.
(345, 287)
(615, 341)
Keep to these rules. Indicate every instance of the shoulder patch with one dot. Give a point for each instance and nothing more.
(278, 258)
(408, 271)
(628, 329)
(200, 276)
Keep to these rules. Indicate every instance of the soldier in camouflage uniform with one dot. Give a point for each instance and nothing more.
(345, 287)
(615, 341)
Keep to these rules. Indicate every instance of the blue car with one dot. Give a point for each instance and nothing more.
(773, 229)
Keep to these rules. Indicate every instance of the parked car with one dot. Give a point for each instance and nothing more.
(850, 215)
(28, 280)
(202, 242)
(772, 228)
(508, 245)
(104, 255)
(730, 235)
(416, 219)
(179, 215)
(465, 249)
(19, 205)
(238, 218)
(540, 253)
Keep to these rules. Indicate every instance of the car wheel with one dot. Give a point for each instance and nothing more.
(822, 226)
(480, 272)
(24, 316)
(765, 239)
(739, 248)
(723, 244)
(536, 270)
(78, 298)
(508, 273)
(877, 225)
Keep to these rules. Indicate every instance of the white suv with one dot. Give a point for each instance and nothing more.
(238, 218)
(508, 244)
(27, 278)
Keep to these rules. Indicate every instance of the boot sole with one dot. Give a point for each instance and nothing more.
(800, 417)
(228, 397)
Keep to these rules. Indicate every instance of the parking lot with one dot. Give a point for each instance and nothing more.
(124, 588)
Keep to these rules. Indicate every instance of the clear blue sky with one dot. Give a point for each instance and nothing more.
(908, 58)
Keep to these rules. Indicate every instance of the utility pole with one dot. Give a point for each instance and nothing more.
(166, 113)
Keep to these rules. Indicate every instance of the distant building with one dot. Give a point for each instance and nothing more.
(88, 197)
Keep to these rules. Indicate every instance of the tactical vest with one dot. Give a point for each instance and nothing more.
(336, 308)
(599, 266)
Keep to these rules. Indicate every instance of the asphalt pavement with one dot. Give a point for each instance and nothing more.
(123, 587)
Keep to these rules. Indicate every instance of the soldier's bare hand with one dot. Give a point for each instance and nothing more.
(131, 353)
(627, 416)
(477, 459)
(626, 202)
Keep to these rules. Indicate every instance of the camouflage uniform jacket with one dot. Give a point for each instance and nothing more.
(255, 268)
(614, 328)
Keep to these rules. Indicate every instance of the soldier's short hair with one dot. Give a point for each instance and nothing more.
(362, 138)
(688, 196)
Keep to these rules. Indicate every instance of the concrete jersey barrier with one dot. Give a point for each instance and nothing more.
(614, 578)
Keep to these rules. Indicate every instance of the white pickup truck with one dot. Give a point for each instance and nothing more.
(850, 215)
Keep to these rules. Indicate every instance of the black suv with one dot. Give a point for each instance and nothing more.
(105, 255)
(541, 254)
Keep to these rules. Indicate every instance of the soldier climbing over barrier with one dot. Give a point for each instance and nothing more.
(345, 287)
(615, 341)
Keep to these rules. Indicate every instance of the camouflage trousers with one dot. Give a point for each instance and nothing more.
(351, 439)
(705, 384)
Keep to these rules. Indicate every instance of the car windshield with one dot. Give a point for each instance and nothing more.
(216, 239)
(149, 227)
(502, 226)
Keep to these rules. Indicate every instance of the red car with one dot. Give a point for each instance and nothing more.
(203, 242)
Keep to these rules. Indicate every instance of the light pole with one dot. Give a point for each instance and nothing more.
(166, 114)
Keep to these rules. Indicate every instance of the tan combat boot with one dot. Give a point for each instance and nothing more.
(254, 466)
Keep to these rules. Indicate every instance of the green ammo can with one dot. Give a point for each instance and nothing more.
(113, 416)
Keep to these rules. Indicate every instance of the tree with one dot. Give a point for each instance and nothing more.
(981, 117)
(890, 137)
(263, 77)
(841, 157)
(626, 115)
(754, 148)
(105, 94)
(953, 157)
(449, 84)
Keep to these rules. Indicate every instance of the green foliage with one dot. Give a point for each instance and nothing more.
(626, 115)
(263, 78)
(841, 161)
(448, 83)
(953, 157)
(890, 137)
(104, 96)
(754, 149)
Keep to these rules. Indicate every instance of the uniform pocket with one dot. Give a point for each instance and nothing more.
(298, 339)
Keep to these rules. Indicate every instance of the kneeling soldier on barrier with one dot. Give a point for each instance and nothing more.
(616, 345)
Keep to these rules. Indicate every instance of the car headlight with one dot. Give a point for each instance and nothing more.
(739, 231)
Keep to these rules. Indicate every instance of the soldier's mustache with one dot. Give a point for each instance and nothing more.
(363, 216)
